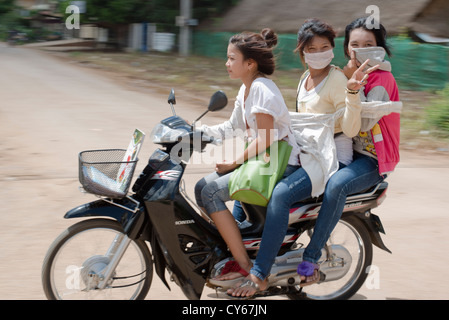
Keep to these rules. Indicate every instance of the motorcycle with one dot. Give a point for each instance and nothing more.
(108, 256)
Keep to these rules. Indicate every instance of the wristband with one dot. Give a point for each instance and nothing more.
(352, 91)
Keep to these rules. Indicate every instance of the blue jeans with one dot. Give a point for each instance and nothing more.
(238, 212)
(294, 187)
(358, 176)
(212, 191)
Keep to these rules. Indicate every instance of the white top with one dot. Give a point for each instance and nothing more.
(343, 143)
(315, 134)
(263, 97)
(303, 94)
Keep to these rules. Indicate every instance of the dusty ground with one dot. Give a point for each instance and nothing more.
(50, 110)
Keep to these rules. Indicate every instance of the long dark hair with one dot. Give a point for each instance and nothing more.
(259, 47)
(380, 34)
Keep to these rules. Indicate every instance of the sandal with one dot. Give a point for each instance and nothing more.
(246, 284)
(309, 270)
(230, 266)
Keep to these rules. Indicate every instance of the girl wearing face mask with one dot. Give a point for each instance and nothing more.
(325, 92)
(323, 88)
(376, 146)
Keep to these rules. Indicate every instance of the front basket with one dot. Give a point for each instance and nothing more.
(106, 173)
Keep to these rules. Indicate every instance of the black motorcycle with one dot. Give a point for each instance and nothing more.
(112, 254)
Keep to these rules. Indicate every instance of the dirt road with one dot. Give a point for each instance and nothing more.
(51, 110)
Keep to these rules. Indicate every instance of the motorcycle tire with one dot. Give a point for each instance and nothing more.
(356, 277)
(89, 234)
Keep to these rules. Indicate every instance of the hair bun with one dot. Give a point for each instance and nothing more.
(270, 37)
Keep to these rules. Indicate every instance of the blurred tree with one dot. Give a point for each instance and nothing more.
(112, 14)
(211, 8)
(161, 12)
(9, 18)
(6, 6)
(117, 11)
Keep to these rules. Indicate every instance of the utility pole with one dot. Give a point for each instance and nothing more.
(185, 21)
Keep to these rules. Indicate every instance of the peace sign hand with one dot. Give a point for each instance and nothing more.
(351, 66)
(360, 76)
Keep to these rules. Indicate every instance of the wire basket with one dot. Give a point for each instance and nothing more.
(106, 172)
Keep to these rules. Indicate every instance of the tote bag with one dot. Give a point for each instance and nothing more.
(253, 182)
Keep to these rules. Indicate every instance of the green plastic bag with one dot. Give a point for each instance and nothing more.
(253, 182)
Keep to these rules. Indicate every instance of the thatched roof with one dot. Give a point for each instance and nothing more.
(286, 16)
(433, 19)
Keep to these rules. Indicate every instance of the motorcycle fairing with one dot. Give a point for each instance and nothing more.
(192, 253)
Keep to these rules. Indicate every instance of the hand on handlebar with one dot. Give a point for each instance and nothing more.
(208, 139)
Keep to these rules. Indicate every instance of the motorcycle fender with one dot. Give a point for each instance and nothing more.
(132, 222)
(98, 208)
(374, 226)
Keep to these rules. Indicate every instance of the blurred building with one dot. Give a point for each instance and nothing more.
(431, 24)
(286, 16)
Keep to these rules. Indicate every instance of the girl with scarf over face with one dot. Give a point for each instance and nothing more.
(376, 146)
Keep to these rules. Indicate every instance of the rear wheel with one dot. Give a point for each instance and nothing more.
(74, 263)
(353, 236)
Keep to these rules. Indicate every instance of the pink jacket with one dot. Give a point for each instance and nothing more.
(386, 142)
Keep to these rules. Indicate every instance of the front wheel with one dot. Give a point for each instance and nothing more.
(73, 265)
(353, 236)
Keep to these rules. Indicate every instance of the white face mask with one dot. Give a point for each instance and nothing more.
(319, 60)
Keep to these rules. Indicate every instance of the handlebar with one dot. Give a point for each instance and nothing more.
(174, 130)
(212, 140)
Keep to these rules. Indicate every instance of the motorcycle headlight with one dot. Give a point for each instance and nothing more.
(163, 134)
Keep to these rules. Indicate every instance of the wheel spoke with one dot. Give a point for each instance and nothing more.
(357, 255)
(76, 265)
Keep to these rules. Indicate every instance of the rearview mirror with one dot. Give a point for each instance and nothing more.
(218, 101)
(172, 101)
(171, 97)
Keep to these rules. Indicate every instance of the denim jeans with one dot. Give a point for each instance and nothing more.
(359, 175)
(212, 191)
(294, 187)
(238, 212)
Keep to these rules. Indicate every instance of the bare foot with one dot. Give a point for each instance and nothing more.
(309, 273)
(307, 281)
(228, 276)
(232, 270)
(249, 287)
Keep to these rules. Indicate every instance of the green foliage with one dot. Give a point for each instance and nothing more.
(6, 6)
(211, 8)
(116, 11)
(9, 18)
(161, 12)
(438, 111)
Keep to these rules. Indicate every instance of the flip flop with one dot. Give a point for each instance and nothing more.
(230, 266)
(247, 283)
(308, 269)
